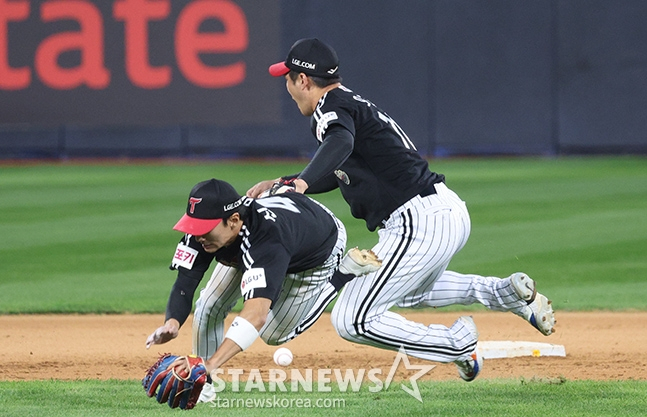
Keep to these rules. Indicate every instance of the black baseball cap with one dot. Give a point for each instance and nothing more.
(311, 57)
(209, 202)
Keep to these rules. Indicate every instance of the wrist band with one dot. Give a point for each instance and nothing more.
(242, 332)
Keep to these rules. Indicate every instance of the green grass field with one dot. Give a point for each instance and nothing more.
(84, 238)
(98, 238)
(480, 398)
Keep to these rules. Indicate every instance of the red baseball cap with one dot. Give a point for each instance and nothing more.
(209, 202)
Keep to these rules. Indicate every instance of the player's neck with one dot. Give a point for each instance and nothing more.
(320, 92)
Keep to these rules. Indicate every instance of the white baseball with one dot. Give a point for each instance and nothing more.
(283, 356)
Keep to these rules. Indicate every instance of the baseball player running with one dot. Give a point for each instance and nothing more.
(280, 254)
(421, 223)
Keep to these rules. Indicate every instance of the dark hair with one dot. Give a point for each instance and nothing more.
(320, 82)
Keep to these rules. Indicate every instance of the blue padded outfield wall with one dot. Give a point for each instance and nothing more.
(148, 78)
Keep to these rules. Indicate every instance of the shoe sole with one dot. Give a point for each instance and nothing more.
(360, 262)
(543, 316)
(364, 257)
(524, 286)
(476, 368)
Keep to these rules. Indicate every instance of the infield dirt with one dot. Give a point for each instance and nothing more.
(599, 346)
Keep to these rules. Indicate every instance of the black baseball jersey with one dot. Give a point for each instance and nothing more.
(384, 169)
(282, 234)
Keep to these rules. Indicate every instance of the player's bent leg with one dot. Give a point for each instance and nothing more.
(216, 300)
(415, 245)
(326, 296)
(469, 365)
(361, 316)
(304, 297)
(355, 263)
(457, 343)
(516, 294)
(390, 331)
(454, 288)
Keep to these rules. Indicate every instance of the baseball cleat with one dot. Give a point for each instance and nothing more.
(524, 286)
(542, 316)
(540, 311)
(469, 367)
(360, 262)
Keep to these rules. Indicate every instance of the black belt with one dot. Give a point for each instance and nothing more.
(428, 190)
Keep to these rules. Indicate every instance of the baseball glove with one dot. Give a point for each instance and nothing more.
(173, 383)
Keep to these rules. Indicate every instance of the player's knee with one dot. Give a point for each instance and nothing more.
(211, 309)
(343, 325)
(271, 341)
(273, 338)
(200, 310)
(204, 306)
(273, 335)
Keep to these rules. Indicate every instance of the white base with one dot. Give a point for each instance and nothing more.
(507, 349)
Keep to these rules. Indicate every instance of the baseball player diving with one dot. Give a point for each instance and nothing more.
(421, 223)
(283, 254)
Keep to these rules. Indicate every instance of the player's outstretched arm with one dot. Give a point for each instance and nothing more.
(242, 333)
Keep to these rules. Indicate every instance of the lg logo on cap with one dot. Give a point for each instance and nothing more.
(304, 64)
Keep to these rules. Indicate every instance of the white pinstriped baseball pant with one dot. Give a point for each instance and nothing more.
(303, 299)
(416, 245)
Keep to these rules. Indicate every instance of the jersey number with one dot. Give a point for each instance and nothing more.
(276, 203)
(398, 130)
(385, 118)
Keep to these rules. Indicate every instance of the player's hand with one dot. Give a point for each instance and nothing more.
(181, 364)
(300, 186)
(163, 334)
(297, 184)
(283, 186)
(258, 189)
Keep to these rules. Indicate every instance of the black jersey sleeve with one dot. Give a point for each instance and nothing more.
(325, 184)
(191, 263)
(332, 153)
(180, 301)
(290, 177)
